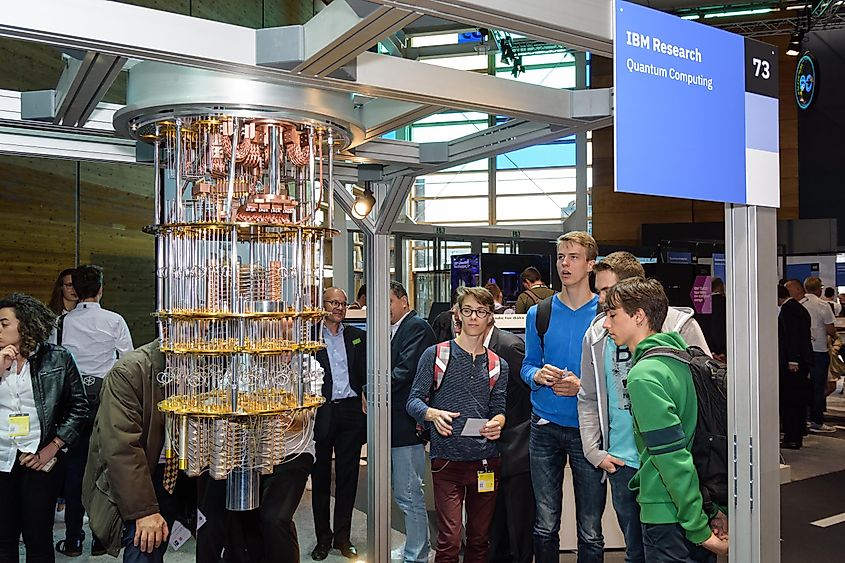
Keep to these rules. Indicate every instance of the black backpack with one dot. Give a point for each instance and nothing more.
(710, 443)
(544, 316)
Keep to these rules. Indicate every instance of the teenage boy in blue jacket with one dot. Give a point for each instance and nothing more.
(552, 370)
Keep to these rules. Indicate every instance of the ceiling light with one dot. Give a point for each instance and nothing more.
(731, 14)
(363, 203)
(794, 48)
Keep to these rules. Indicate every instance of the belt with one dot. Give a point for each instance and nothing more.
(345, 400)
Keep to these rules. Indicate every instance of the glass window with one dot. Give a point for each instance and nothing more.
(551, 207)
(538, 156)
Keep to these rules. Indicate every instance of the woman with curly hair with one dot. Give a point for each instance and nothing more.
(63, 298)
(42, 410)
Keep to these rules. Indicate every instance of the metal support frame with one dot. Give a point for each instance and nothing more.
(581, 24)
(82, 85)
(393, 203)
(383, 116)
(379, 495)
(345, 28)
(751, 260)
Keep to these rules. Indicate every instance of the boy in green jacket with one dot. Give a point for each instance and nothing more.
(665, 411)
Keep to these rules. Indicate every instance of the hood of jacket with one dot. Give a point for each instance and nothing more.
(669, 339)
(676, 318)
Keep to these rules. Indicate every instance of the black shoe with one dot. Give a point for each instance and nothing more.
(69, 548)
(97, 547)
(348, 551)
(320, 552)
(790, 445)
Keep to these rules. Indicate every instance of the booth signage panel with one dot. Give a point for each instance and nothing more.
(696, 110)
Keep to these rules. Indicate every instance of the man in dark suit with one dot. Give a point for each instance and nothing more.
(511, 539)
(410, 336)
(795, 356)
(341, 427)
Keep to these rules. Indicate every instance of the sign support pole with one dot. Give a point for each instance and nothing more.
(754, 487)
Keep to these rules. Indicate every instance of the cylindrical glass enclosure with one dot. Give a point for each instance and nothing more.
(239, 238)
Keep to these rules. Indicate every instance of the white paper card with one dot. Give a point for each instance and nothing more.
(473, 427)
(200, 519)
(179, 535)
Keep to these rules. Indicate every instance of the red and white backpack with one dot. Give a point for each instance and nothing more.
(441, 362)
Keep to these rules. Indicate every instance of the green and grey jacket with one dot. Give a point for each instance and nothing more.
(665, 410)
(593, 419)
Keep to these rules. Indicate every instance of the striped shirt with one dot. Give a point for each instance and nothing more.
(465, 389)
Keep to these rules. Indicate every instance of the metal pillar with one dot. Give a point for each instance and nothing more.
(750, 239)
(578, 220)
(379, 495)
(341, 256)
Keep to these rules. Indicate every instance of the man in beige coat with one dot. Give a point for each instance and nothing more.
(123, 487)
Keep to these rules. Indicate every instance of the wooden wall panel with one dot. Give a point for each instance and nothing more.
(617, 218)
(116, 203)
(37, 223)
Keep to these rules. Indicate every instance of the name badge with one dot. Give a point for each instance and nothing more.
(18, 425)
(486, 481)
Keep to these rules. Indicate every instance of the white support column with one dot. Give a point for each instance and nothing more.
(379, 494)
(751, 260)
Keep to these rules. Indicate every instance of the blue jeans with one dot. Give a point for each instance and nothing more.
(627, 513)
(133, 554)
(407, 469)
(668, 543)
(549, 447)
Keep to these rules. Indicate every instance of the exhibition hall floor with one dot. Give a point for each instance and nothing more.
(812, 507)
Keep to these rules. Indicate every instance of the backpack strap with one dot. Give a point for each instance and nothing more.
(441, 362)
(494, 367)
(544, 316)
(668, 352)
(60, 325)
(533, 296)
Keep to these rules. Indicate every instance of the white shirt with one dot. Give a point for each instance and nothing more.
(17, 397)
(96, 337)
(837, 306)
(820, 316)
(395, 326)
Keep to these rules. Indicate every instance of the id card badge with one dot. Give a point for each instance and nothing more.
(486, 481)
(18, 425)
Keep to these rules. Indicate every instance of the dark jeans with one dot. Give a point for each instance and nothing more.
(549, 447)
(818, 374)
(264, 535)
(454, 483)
(511, 537)
(345, 441)
(167, 509)
(627, 513)
(75, 460)
(794, 388)
(28, 501)
(667, 543)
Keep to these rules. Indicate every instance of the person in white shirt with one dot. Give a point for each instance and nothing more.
(97, 338)
(42, 410)
(821, 326)
(830, 297)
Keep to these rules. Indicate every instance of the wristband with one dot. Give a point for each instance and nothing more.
(56, 442)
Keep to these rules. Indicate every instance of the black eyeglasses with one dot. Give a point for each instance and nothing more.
(336, 304)
(480, 313)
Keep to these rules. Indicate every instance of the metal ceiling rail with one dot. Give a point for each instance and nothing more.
(190, 41)
(584, 25)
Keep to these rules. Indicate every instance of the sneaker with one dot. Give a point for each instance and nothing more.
(398, 554)
(822, 428)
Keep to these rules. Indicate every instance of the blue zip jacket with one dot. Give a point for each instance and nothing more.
(563, 350)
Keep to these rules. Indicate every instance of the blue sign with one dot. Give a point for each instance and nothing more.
(719, 269)
(840, 274)
(696, 110)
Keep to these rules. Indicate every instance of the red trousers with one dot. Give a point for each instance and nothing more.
(454, 483)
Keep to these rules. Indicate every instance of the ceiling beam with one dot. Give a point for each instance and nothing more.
(185, 40)
(383, 116)
(393, 204)
(338, 33)
(82, 85)
(585, 25)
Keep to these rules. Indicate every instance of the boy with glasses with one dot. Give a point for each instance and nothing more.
(464, 402)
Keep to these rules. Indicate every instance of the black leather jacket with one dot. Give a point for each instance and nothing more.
(59, 394)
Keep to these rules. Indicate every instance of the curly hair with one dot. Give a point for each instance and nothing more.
(35, 320)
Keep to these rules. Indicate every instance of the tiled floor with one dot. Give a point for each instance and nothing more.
(822, 455)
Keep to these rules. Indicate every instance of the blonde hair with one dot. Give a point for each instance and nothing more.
(583, 239)
(624, 264)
